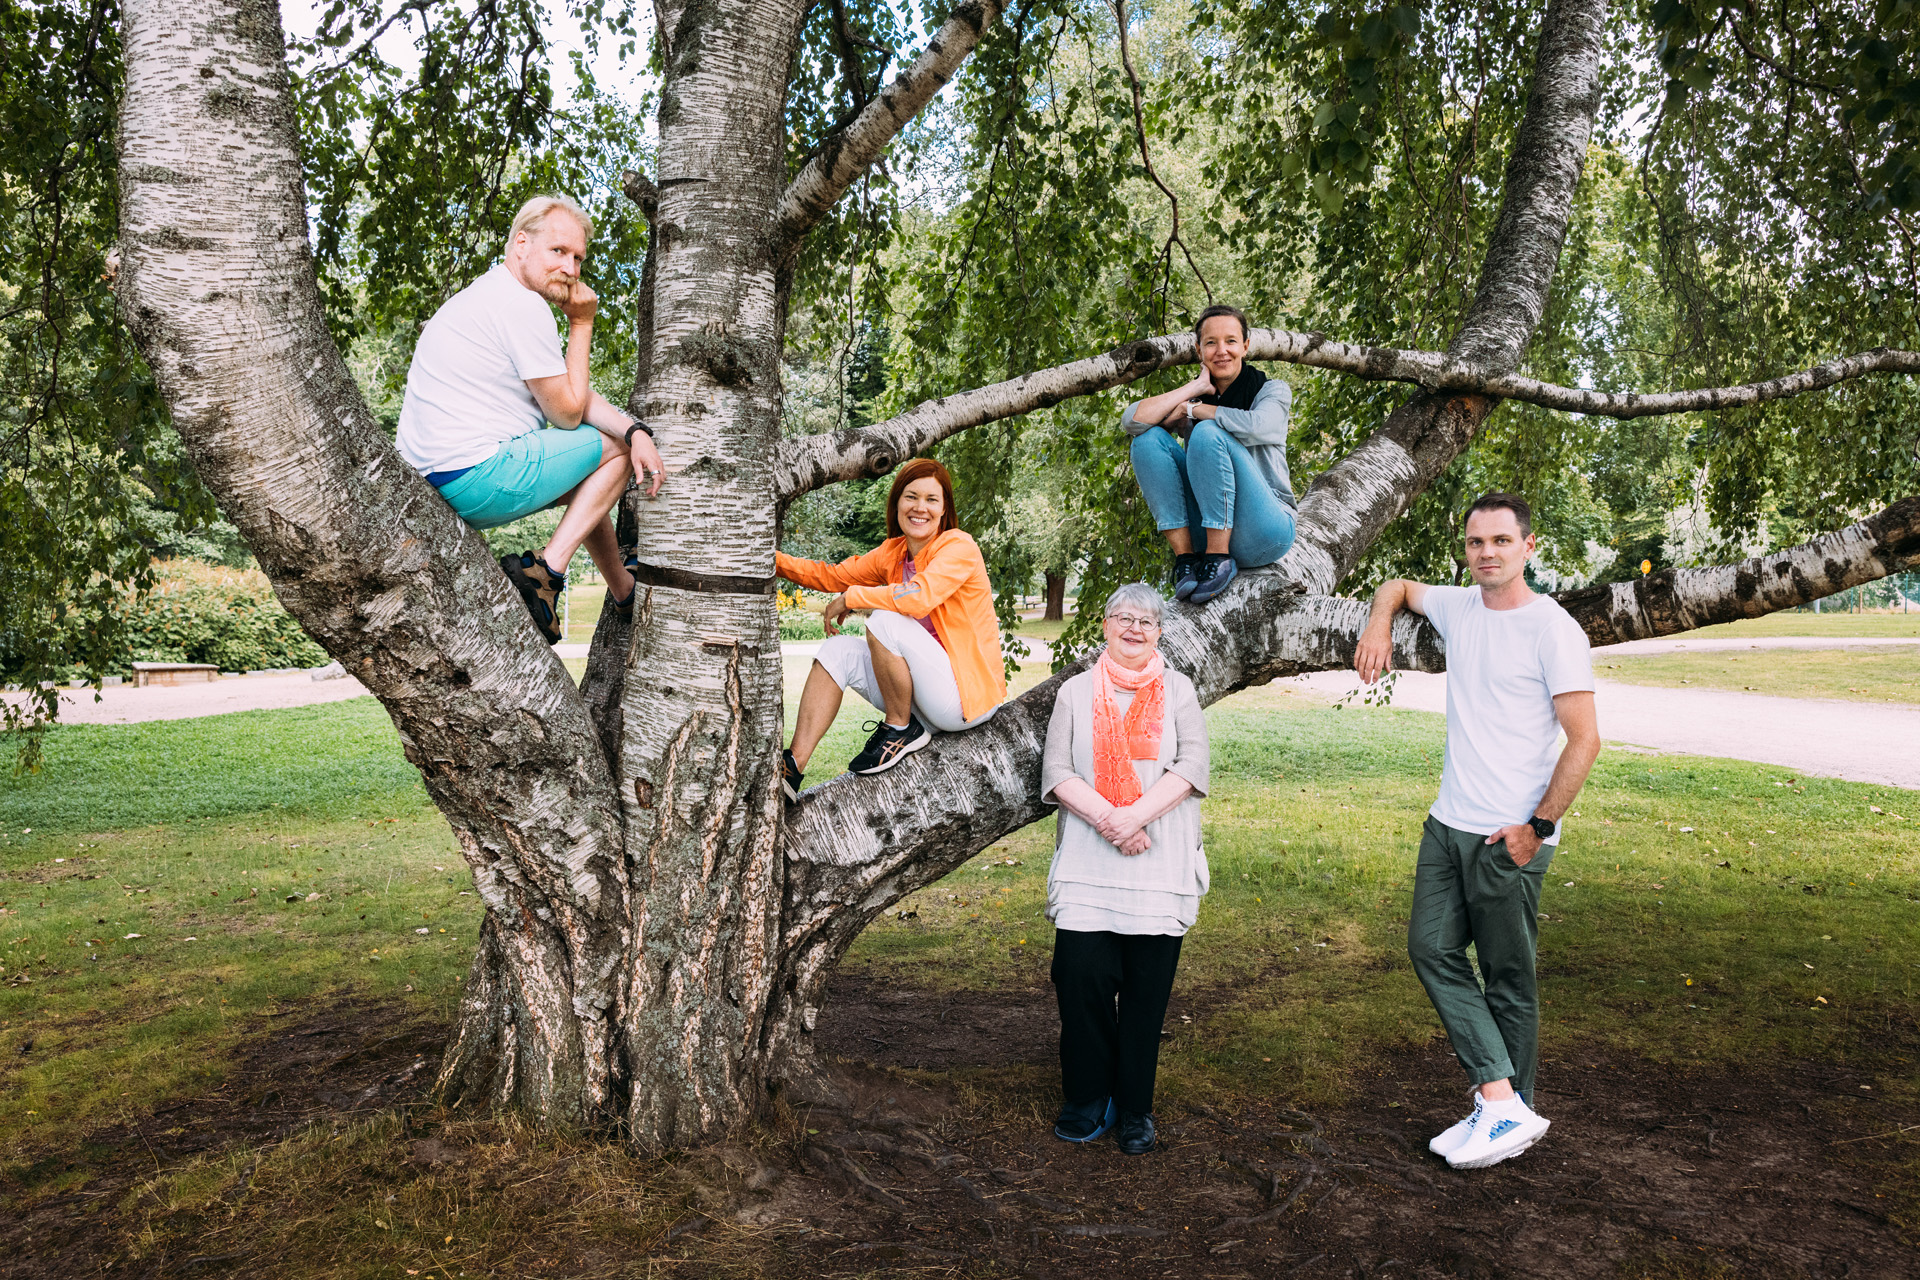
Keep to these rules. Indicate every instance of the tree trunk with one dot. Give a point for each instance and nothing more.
(1056, 597)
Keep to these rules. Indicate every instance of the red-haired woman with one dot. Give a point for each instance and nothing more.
(931, 656)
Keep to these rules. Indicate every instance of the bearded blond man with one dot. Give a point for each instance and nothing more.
(487, 379)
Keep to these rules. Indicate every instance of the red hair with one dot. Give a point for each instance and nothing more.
(920, 469)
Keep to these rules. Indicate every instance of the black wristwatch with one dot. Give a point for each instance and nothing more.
(1542, 827)
(638, 426)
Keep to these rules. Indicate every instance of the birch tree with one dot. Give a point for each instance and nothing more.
(658, 929)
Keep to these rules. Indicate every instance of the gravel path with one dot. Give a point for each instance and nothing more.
(1859, 741)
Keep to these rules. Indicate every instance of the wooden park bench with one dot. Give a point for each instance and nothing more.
(168, 673)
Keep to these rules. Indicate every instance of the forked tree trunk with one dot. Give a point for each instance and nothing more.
(658, 932)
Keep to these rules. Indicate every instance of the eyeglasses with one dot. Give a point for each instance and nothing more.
(1128, 622)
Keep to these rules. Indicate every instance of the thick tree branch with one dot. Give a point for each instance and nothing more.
(217, 284)
(1676, 600)
(824, 178)
(809, 462)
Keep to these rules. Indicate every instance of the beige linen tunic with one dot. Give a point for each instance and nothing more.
(1092, 887)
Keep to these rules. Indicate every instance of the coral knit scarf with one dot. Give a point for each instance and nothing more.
(1118, 742)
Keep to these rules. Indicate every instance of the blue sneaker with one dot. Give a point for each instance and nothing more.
(1216, 573)
(1085, 1122)
(1186, 574)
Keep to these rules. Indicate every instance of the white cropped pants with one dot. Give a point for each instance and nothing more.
(936, 695)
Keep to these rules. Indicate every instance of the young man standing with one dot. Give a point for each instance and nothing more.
(1518, 673)
(488, 376)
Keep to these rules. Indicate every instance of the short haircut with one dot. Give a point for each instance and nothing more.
(920, 469)
(1136, 595)
(1497, 501)
(534, 213)
(1222, 309)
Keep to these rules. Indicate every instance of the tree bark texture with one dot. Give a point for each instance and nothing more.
(658, 930)
(217, 284)
(1056, 597)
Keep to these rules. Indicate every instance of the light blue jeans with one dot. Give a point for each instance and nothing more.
(1212, 484)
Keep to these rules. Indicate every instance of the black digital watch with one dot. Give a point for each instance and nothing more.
(1542, 827)
(638, 426)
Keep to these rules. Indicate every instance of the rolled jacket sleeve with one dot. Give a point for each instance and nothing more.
(1266, 422)
(1132, 425)
(1190, 756)
(1056, 762)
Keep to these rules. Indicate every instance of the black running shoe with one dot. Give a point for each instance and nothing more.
(889, 746)
(540, 587)
(790, 777)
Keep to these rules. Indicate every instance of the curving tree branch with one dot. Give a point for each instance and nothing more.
(809, 462)
(824, 178)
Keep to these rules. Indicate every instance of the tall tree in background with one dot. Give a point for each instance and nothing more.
(658, 930)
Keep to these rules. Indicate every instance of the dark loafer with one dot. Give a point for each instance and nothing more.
(1135, 1134)
(1085, 1122)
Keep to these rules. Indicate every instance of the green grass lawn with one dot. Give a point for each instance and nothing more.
(1701, 911)
(1876, 625)
(1890, 674)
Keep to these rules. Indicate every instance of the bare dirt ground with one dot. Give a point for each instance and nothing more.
(936, 1162)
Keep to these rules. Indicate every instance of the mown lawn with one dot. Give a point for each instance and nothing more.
(1701, 911)
(1818, 624)
(1863, 674)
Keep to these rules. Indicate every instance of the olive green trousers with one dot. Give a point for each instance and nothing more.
(1468, 892)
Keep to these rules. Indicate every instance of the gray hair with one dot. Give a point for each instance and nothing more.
(1140, 597)
(534, 213)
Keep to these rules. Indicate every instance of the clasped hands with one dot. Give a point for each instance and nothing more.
(1124, 828)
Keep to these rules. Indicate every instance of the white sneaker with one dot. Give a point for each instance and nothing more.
(1501, 1130)
(1448, 1140)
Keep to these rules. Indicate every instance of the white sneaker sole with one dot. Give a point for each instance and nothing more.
(1496, 1154)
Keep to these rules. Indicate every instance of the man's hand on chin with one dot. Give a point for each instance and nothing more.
(1521, 843)
(582, 303)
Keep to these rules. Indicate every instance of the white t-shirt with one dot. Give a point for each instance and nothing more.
(1504, 667)
(467, 388)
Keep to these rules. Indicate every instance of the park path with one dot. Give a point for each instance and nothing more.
(1859, 741)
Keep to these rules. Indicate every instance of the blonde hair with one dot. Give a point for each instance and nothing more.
(533, 216)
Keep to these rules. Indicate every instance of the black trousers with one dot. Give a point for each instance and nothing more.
(1113, 990)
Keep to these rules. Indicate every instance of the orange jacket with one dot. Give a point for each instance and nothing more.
(949, 587)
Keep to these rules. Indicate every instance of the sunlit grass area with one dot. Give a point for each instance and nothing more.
(1862, 674)
(1903, 625)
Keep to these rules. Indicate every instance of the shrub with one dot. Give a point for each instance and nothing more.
(229, 617)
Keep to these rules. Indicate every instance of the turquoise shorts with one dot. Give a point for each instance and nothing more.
(526, 474)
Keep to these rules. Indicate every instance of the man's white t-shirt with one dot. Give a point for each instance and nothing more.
(467, 388)
(1504, 667)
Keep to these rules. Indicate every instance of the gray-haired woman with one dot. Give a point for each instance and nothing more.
(1126, 761)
